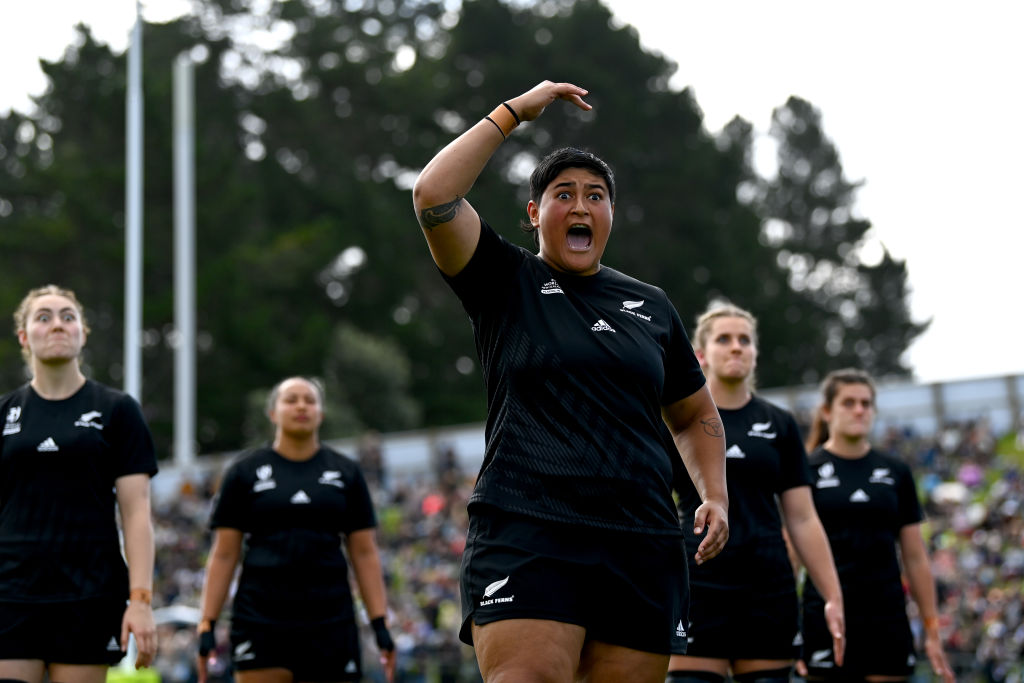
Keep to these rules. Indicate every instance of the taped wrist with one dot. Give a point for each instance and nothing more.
(383, 636)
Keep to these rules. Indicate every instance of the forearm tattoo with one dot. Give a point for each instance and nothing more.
(713, 427)
(438, 215)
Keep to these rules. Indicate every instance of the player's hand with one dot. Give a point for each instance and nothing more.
(836, 622)
(530, 104)
(801, 668)
(138, 621)
(937, 658)
(207, 646)
(386, 646)
(713, 516)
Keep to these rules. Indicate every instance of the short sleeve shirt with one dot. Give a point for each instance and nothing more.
(576, 369)
(293, 516)
(863, 504)
(764, 457)
(59, 461)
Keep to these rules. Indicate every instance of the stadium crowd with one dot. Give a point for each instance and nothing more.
(973, 498)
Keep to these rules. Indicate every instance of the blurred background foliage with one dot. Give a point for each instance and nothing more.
(313, 119)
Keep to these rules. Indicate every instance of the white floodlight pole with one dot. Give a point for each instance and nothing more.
(184, 263)
(133, 217)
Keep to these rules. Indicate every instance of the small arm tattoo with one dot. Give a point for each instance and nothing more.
(438, 215)
(713, 427)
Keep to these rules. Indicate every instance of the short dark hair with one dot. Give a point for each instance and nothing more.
(569, 157)
(556, 162)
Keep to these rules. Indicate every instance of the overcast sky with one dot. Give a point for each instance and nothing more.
(923, 99)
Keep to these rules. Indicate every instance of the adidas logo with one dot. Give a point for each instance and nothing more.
(602, 326)
(551, 287)
(112, 646)
(49, 445)
(300, 497)
(680, 630)
(859, 496)
(735, 452)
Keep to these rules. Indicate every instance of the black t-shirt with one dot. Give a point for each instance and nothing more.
(863, 504)
(293, 515)
(577, 369)
(764, 457)
(59, 461)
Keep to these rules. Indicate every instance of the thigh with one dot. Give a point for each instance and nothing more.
(79, 673)
(29, 670)
(605, 663)
(264, 676)
(528, 650)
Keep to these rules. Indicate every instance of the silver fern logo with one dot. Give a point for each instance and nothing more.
(495, 587)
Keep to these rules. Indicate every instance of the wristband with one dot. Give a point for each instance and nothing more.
(140, 595)
(380, 632)
(207, 641)
(505, 118)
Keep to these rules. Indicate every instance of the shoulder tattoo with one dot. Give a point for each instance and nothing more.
(713, 427)
(440, 214)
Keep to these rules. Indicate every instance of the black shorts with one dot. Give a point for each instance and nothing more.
(86, 632)
(624, 588)
(321, 652)
(743, 605)
(881, 647)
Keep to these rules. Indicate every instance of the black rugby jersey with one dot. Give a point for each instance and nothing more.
(863, 504)
(576, 370)
(293, 515)
(764, 457)
(58, 464)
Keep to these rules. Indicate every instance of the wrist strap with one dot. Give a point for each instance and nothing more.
(141, 595)
(504, 118)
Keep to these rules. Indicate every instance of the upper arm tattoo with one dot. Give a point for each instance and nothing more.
(713, 427)
(440, 214)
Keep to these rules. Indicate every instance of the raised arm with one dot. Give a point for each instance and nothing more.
(697, 431)
(450, 224)
(808, 538)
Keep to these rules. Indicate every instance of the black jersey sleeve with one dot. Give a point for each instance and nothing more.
(683, 375)
(231, 504)
(490, 270)
(130, 439)
(360, 514)
(794, 470)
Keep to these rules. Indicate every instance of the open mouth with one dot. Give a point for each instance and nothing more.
(579, 238)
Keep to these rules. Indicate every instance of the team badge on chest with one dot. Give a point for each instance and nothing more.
(12, 425)
(264, 479)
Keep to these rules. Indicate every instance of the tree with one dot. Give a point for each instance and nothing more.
(309, 257)
(847, 312)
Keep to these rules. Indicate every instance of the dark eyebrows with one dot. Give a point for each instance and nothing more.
(588, 186)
